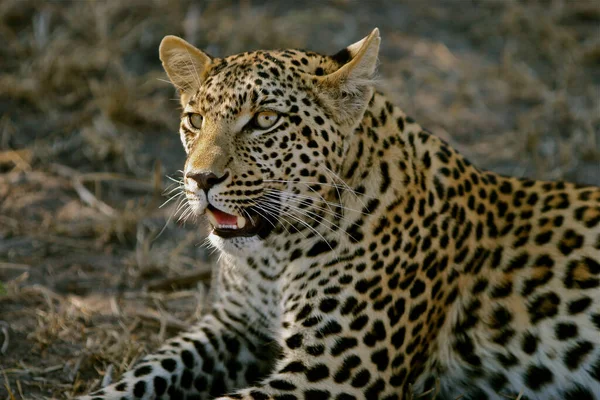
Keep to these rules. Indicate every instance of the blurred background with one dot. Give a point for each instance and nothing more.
(93, 274)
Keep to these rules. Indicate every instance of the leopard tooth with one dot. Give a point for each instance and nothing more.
(241, 222)
(211, 218)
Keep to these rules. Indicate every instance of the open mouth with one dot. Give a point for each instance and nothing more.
(229, 226)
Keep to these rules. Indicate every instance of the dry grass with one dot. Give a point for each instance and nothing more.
(87, 284)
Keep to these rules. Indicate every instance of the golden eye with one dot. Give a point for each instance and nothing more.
(195, 120)
(265, 119)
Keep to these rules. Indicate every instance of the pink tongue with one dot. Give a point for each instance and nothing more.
(224, 218)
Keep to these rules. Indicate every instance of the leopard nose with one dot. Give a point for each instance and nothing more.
(206, 180)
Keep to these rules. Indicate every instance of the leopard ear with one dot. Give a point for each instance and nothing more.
(351, 86)
(185, 65)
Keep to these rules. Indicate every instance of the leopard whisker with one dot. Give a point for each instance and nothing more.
(320, 198)
(281, 219)
(302, 201)
(340, 217)
(265, 217)
(343, 183)
(186, 211)
(180, 181)
(337, 189)
(175, 196)
(319, 222)
(172, 189)
(182, 204)
(310, 183)
(331, 225)
(309, 227)
(259, 206)
(337, 205)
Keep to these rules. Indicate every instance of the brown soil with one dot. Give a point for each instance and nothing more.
(93, 274)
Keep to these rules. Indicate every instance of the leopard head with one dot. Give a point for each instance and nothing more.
(265, 133)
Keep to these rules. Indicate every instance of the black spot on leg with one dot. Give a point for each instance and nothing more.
(373, 391)
(175, 393)
(253, 373)
(565, 330)
(376, 334)
(188, 358)
(315, 350)
(579, 305)
(160, 385)
(315, 394)
(218, 387)
(498, 381)
(361, 379)
(466, 348)
(200, 383)
(500, 317)
(381, 359)
(398, 337)
(538, 376)
(169, 364)
(139, 389)
(507, 360)
(343, 373)
(530, 343)
(187, 379)
(317, 373)
(294, 341)
(330, 328)
(577, 354)
(142, 371)
(328, 304)
(304, 312)
(577, 392)
(343, 344)
(258, 395)
(281, 384)
(293, 367)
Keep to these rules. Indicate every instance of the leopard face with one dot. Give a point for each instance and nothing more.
(263, 156)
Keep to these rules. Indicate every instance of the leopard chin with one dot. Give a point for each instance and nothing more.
(238, 246)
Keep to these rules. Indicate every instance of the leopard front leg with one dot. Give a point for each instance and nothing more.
(209, 361)
(310, 378)
(343, 358)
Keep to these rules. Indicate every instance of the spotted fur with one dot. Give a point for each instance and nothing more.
(387, 265)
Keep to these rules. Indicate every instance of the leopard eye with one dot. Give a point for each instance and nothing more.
(195, 120)
(265, 119)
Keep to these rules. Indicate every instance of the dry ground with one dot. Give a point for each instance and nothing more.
(88, 283)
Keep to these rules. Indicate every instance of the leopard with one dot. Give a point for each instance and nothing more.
(361, 256)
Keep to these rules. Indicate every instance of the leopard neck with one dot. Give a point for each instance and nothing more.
(413, 178)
